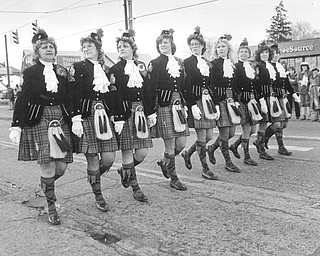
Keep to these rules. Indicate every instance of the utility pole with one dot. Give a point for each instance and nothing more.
(125, 14)
(7, 59)
(130, 13)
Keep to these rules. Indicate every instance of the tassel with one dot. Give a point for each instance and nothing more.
(144, 128)
(236, 110)
(209, 106)
(275, 107)
(100, 125)
(57, 148)
(213, 106)
(139, 125)
(63, 138)
(255, 109)
(105, 127)
(181, 116)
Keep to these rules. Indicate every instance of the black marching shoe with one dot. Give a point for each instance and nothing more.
(209, 175)
(176, 184)
(163, 169)
(102, 205)
(232, 168)
(53, 217)
(250, 161)
(139, 196)
(265, 156)
(284, 151)
(187, 160)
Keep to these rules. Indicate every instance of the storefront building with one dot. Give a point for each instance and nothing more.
(295, 52)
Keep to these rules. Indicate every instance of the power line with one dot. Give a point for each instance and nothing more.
(174, 9)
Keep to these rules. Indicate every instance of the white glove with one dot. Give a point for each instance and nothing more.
(263, 105)
(296, 97)
(118, 126)
(77, 127)
(218, 112)
(15, 134)
(196, 112)
(237, 104)
(152, 119)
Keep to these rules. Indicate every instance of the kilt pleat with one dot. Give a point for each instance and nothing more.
(224, 120)
(89, 143)
(34, 142)
(128, 138)
(165, 127)
(203, 123)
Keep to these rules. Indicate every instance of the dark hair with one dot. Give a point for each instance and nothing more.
(166, 34)
(95, 38)
(263, 47)
(197, 36)
(128, 37)
(245, 45)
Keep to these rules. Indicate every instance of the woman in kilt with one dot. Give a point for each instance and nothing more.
(92, 101)
(201, 100)
(167, 84)
(245, 85)
(223, 85)
(42, 119)
(129, 76)
(266, 76)
(281, 86)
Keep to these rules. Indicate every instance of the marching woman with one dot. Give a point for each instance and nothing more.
(200, 100)
(281, 86)
(167, 85)
(129, 76)
(223, 85)
(42, 119)
(92, 102)
(245, 85)
(266, 75)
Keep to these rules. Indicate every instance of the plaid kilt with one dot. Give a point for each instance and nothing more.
(165, 127)
(203, 123)
(224, 119)
(128, 138)
(34, 142)
(246, 118)
(89, 143)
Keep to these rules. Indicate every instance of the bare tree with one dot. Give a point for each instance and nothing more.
(303, 30)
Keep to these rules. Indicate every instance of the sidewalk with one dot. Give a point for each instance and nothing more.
(5, 112)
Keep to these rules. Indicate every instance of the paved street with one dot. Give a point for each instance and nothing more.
(272, 209)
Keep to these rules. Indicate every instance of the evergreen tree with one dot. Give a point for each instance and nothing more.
(280, 29)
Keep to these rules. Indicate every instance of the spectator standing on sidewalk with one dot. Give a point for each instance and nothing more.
(10, 97)
(314, 94)
(304, 83)
(292, 76)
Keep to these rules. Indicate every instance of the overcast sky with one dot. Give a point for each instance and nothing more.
(68, 21)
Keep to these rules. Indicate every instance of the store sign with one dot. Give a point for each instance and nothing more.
(292, 48)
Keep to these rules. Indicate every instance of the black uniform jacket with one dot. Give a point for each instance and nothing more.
(219, 82)
(127, 95)
(195, 82)
(281, 85)
(244, 85)
(34, 96)
(162, 84)
(81, 75)
(265, 83)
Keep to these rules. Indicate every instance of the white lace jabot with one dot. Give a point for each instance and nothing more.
(281, 70)
(227, 68)
(100, 80)
(135, 78)
(271, 70)
(248, 69)
(173, 66)
(202, 66)
(50, 77)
